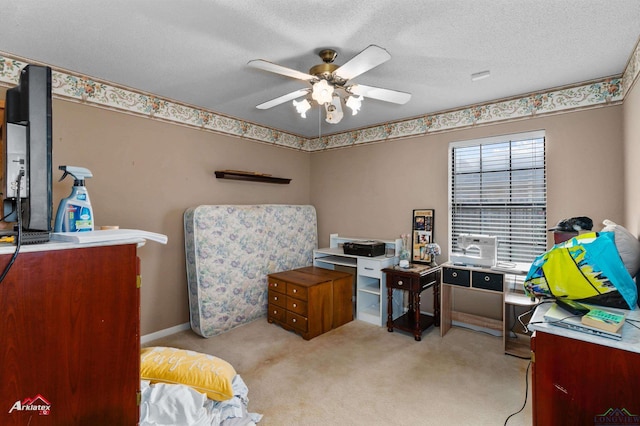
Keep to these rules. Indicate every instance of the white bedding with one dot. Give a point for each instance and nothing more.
(165, 404)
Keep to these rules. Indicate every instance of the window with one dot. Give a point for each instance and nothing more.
(497, 186)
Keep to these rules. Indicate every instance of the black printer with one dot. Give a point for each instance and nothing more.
(364, 248)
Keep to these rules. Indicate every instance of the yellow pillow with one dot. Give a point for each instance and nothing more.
(205, 373)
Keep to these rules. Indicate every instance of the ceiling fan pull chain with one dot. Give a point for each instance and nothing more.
(319, 125)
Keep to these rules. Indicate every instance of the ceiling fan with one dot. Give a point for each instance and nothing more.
(328, 81)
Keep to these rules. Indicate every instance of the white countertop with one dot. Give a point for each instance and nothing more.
(9, 248)
(630, 334)
(71, 240)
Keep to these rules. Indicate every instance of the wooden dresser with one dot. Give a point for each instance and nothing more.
(581, 379)
(69, 335)
(310, 300)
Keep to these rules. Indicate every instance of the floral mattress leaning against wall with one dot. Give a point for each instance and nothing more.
(230, 249)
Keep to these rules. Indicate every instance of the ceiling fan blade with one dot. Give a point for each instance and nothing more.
(386, 95)
(282, 99)
(279, 69)
(369, 58)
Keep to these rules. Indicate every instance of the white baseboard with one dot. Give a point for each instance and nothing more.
(477, 328)
(164, 333)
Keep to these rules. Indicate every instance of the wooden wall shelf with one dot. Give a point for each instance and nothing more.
(250, 176)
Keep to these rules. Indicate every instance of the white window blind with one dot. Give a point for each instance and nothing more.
(498, 187)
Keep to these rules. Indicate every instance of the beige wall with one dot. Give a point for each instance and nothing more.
(370, 191)
(632, 158)
(146, 173)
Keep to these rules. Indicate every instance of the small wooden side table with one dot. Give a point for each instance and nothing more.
(414, 280)
(310, 300)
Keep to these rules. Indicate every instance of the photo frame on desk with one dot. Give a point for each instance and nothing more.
(422, 234)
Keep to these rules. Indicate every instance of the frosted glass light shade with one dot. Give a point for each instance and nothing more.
(302, 107)
(322, 92)
(354, 103)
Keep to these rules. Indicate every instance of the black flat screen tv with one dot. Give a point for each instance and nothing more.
(27, 152)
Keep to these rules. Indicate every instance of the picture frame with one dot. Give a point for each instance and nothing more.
(422, 234)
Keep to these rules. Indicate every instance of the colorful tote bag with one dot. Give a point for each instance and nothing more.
(586, 268)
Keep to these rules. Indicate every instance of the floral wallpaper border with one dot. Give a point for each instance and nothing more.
(84, 89)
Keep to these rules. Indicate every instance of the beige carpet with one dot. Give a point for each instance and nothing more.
(360, 374)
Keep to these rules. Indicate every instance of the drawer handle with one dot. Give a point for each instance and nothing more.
(295, 291)
(454, 274)
(275, 284)
(294, 320)
(275, 297)
(487, 278)
(275, 312)
(368, 269)
(295, 305)
(400, 283)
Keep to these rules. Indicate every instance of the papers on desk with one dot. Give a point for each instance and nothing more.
(107, 235)
(512, 268)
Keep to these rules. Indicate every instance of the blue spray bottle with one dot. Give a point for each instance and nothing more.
(74, 212)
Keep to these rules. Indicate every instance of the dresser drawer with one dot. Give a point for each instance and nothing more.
(396, 281)
(487, 281)
(296, 321)
(456, 276)
(297, 291)
(276, 313)
(277, 285)
(277, 299)
(297, 306)
(369, 268)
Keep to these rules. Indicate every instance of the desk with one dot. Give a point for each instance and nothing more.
(370, 299)
(413, 280)
(497, 281)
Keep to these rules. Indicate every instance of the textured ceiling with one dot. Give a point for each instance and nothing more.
(196, 51)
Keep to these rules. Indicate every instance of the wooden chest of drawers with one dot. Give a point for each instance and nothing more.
(310, 301)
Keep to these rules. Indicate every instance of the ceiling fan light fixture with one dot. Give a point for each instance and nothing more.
(329, 84)
(354, 103)
(333, 110)
(322, 92)
(302, 107)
